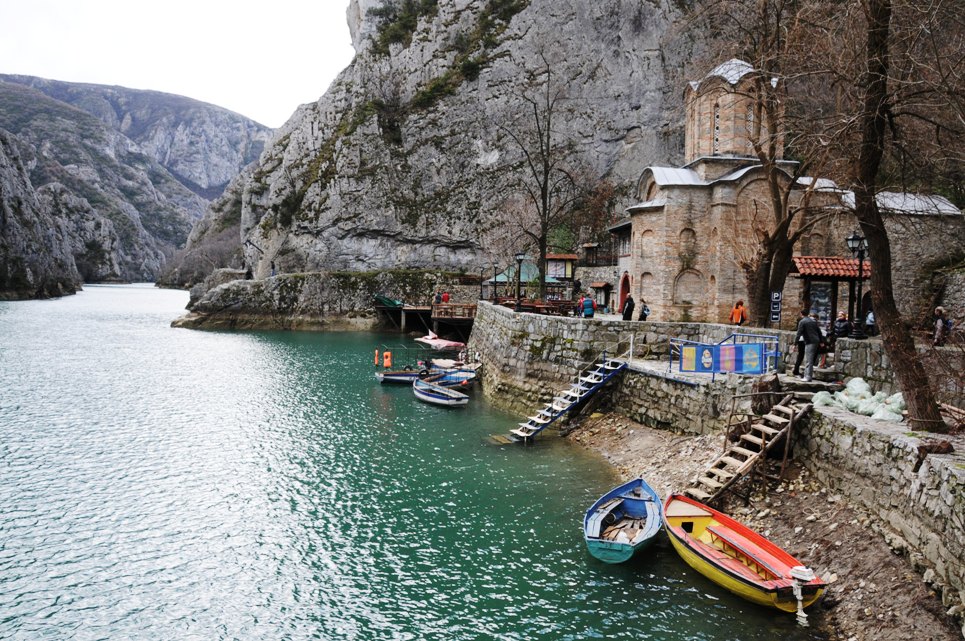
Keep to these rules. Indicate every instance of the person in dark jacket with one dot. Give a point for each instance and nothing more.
(628, 307)
(809, 332)
(842, 328)
(644, 310)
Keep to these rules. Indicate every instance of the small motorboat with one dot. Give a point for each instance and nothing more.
(739, 559)
(453, 379)
(433, 341)
(437, 394)
(622, 522)
(404, 376)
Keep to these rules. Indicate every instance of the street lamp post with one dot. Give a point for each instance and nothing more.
(858, 246)
(519, 268)
(495, 283)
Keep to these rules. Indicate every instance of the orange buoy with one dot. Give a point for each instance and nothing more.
(387, 359)
(376, 357)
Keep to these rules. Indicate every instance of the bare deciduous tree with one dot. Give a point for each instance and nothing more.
(545, 186)
(870, 83)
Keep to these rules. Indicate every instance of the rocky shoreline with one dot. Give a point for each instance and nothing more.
(874, 593)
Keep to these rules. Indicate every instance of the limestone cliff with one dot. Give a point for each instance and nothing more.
(36, 259)
(125, 214)
(202, 145)
(404, 161)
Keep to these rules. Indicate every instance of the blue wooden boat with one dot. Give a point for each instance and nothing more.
(437, 394)
(622, 522)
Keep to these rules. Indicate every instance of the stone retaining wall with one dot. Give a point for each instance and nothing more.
(920, 502)
(920, 508)
(528, 358)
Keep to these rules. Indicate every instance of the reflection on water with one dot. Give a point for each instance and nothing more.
(160, 483)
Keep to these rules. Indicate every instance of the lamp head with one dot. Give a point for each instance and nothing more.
(856, 243)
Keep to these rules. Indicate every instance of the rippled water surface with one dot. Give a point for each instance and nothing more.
(160, 483)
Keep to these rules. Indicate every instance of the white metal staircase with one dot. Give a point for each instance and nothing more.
(587, 383)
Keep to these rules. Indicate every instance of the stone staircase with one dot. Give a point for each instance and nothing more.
(759, 436)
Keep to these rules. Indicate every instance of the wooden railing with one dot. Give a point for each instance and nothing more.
(460, 311)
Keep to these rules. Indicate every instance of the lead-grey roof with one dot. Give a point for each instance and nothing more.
(897, 202)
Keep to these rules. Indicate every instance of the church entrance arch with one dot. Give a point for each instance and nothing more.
(624, 290)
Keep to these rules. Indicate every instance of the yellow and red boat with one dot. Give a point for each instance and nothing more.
(737, 558)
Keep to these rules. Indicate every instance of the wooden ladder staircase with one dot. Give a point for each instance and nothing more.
(739, 459)
(587, 383)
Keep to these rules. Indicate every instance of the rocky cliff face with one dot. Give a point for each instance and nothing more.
(36, 258)
(406, 160)
(202, 145)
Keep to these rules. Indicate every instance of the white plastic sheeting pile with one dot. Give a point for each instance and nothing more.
(857, 397)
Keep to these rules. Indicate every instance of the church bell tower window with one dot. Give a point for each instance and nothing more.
(716, 129)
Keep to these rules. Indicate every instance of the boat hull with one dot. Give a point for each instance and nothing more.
(402, 377)
(726, 564)
(438, 395)
(633, 504)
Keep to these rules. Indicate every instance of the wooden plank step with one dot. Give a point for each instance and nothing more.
(501, 439)
(780, 420)
(709, 482)
(790, 411)
(521, 433)
(698, 494)
(766, 429)
(539, 420)
(593, 380)
(743, 451)
(750, 438)
(732, 462)
(528, 426)
(721, 473)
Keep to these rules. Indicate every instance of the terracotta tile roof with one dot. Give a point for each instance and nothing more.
(562, 257)
(832, 266)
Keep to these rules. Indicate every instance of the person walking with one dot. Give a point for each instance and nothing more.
(589, 306)
(809, 332)
(738, 315)
(871, 328)
(842, 328)
(628, 307)
(942, 327)
(644, 310)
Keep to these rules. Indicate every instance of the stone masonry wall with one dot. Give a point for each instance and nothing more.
(920, 501)
(547, 349)
(528, 358)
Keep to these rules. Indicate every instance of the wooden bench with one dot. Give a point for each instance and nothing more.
(595, 525)
(752, 559)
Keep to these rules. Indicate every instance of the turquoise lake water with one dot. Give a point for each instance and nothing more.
(160, 483)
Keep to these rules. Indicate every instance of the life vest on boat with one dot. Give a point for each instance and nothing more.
(387, 360)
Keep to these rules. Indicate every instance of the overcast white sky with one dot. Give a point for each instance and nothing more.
(260, 59)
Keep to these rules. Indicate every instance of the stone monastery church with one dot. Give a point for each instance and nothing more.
(678, 248)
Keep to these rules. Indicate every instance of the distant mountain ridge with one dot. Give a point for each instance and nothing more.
(81, 200)
(204, 146)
